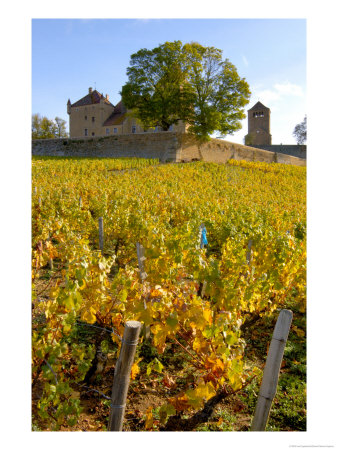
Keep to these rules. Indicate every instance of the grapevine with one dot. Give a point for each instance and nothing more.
(254, 264)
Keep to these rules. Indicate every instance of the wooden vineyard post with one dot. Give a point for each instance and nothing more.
(101, 233)
(202, 239)
(80, 202)
(141, 258)
(143, 275)
(50, 262)
(248, 254)
(248, 257)
(271, 371)
(122, 375)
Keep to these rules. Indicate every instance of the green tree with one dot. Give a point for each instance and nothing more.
(300, 132)
(44, 128)
(220, 95)
(187, 82)
(156, 90)
(61, 124)
(36, 126)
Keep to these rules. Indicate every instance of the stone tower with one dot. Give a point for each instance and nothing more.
(258, 126)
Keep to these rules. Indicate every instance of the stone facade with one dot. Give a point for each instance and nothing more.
(167, 146)
(258, 126)
(95, 116)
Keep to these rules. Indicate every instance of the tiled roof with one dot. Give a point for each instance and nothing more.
(258, 105)
(91, 99)
(118, 116)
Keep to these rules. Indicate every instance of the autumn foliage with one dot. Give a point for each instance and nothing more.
(254, 263)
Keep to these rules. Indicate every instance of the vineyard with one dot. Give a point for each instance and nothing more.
(208, 311)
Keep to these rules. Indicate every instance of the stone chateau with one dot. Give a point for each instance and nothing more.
(100, 129)
(95, 116)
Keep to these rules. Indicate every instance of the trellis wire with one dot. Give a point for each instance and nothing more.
(90, 389)
(108, 330)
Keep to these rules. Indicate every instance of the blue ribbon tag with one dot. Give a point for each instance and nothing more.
(204, 236)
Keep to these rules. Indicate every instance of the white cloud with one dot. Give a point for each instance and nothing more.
(289, 89)
(277, 93)
(267, 96)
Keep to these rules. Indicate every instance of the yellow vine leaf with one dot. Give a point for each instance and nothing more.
(89, 316)
(135, 370)
(149, 419)
(207, 314)
(180, 402)
(201, 393)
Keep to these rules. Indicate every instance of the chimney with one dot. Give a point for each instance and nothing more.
(107, 96)
(90, 90)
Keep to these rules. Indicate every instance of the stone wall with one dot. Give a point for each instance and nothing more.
(217, 150)
(143, 145)
(167, 146)
(298, 151)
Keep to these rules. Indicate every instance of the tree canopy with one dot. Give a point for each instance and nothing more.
(190, 82)
(61, 127)
(44, 128)
(300, 132)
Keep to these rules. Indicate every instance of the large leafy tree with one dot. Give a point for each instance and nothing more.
(220, 93)
(44, 128)
(156, 89)
(187, 82)
(300, 132)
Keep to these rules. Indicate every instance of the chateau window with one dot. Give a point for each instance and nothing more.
(133, 129)
(93, 119)
(85, 117)
(258, 114)
(107, 130)
(171, 128)
(86, 132)
(93, 134)
(115, 130)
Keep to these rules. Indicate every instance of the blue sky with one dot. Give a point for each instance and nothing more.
(69, 55)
